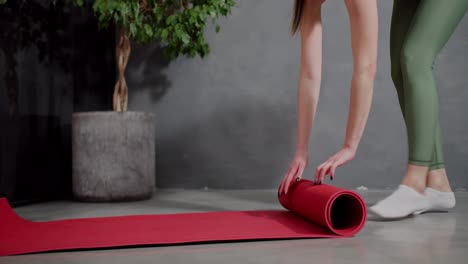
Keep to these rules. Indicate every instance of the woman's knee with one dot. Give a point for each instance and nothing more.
(415, 58)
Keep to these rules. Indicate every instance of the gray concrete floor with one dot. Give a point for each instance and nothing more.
(427, 238)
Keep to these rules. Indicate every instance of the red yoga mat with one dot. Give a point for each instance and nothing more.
(321, 211)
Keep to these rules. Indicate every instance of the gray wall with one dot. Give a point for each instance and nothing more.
(229, 121)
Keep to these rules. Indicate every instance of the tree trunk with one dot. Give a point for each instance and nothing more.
(120, 99)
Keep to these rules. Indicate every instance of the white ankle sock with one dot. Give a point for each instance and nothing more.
(439, 201)
(401, 203)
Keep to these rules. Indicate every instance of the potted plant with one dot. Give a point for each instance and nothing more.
(114, 151)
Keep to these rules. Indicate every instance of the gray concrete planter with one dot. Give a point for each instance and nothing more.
(113, 156)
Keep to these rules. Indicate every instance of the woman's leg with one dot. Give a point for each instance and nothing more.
(402, 17)
(413, 53)
(431, 27)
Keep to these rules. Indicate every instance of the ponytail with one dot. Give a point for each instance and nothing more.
(298, 10)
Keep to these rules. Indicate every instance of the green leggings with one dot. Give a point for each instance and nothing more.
(419, 30)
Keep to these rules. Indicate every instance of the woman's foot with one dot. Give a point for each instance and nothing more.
(408, 199)
(416, 178)
(438, 180)
(438, 191)
(439, 201)
(403, 202)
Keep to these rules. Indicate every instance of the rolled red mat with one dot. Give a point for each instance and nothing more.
(341, 211)
(314, 212)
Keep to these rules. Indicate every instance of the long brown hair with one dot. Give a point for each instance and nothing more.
(298, 10)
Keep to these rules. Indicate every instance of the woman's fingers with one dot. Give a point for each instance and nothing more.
(290, 177)
(325, 169)
(329, 166)
(281, 189)
(319, 171)
(296, 172)
(285, 179)
(300, 172)
(332, 171)
(294, 178)
(324, 172)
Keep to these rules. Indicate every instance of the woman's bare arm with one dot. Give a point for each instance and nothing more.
(364, 40)
(308, 88)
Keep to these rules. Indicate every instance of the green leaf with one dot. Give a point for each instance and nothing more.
(164, 34)
(192, 19)
(171, 19)
(133, 29)
(180, 31)
(148, 30)
(79, 2)
(185, 38)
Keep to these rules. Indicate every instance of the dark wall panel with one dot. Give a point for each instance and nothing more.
(53, 61)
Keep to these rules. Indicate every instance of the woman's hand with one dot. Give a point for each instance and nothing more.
(295, 171)
(342, 157)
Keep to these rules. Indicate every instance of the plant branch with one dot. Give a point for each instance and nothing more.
(120, 99)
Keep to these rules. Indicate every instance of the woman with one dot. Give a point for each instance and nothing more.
(364, 37)
(419, 30)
